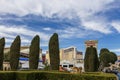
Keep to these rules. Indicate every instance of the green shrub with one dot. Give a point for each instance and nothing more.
(26, 75)
(6, 75)
(54, 75)
(68, 76)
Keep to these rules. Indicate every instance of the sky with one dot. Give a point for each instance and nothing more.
(74, 20)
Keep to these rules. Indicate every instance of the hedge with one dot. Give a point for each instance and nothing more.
(49, 75)
(7, 75)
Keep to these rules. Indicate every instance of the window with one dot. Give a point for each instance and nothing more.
(71, 65)
(64, 65)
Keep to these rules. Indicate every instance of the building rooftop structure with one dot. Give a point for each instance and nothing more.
(22, 48)
(93, 43)
(24, 51)
(69, 56)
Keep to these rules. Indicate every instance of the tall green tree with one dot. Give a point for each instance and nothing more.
(106, 57)
(86, 60)
(91, 62)
(34, 53)
(96, 60)
(15, 53)
(2, 44)
(113, 57)
(104, 50)
(54, 52)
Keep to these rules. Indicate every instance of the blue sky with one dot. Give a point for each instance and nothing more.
(74, 20)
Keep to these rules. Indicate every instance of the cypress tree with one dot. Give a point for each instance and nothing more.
(96, 60)
(34, 53)
(2, 44)
(91, 63)
(54, 52)
(91, 59)
(15, 53)
(86, 60)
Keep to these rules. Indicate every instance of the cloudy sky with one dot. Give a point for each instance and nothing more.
(74, 20)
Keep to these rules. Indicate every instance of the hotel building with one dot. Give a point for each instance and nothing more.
(24, 58)
(69, 56)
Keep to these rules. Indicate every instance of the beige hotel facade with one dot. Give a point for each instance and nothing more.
(68, 55)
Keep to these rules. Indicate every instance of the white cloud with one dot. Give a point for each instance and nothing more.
(20, 30)
(115, 50)
(48, 8)
(47, 28)
(116, 25)
(84, 10)
(97, 26)
(2, 34)
(44, 44)
(75, 32)
(9, 40)
(26, 34)
(20, 8)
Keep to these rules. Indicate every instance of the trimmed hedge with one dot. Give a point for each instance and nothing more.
(26, 75)
(47, 75)
(7, 75)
